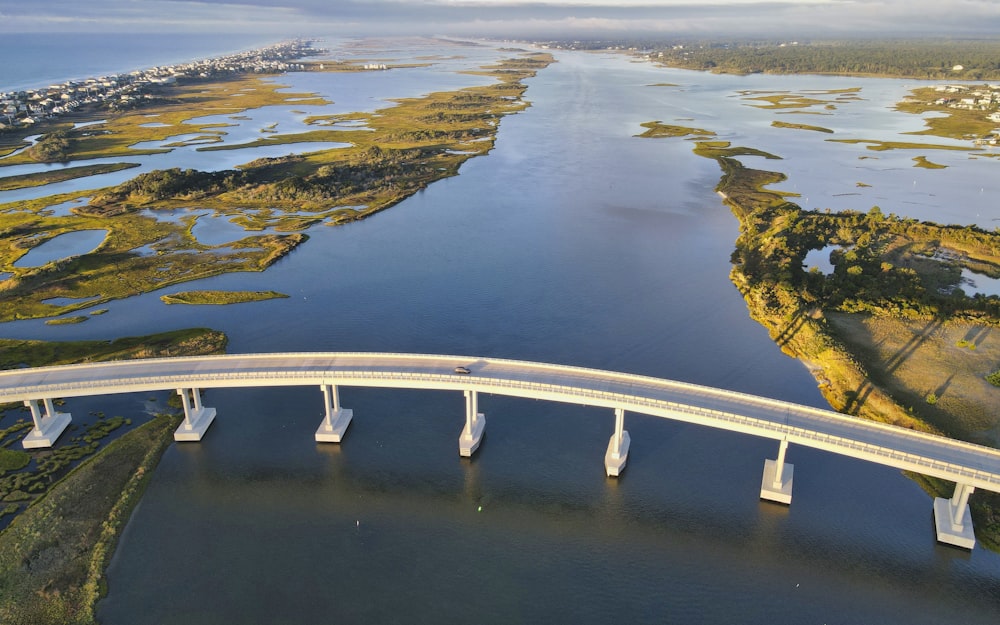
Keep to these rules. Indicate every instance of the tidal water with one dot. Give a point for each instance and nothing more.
(571, 242)
(37, 60)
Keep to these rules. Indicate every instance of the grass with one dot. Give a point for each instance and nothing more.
(79, 494)
(953, 123)
(421, 140)
(118, 133)
(53, 555)
(59, 175)
(923, 375)
(63, 321)
(781, 124)
(219, 297)
(882, 146)
(780, 101)
(658, 129)
(916, 359)
(921, 161)
(16, 353)
(13, 460)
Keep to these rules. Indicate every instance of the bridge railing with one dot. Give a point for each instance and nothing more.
(636, 401)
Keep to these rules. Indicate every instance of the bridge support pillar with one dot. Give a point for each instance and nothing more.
(475, 425)
(197, 418)
(952, 520)
(776, 485)
(617, 454)
(335, 423)
(47, 428)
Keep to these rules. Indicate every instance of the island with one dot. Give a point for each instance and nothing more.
(894, 293)
(889, 335)
(380, 159)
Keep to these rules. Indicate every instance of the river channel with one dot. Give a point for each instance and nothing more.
(572, 242)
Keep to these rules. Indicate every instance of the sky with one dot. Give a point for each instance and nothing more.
(538, 19)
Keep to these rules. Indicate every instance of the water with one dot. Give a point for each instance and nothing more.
(571, 242)
(62, 246)
(35, 60)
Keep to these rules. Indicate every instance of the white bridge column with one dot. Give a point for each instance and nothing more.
(952, 518)
(475, 424)
(197, 418)
(617, 454)
(776, 485)
(47, 428)
(334, 424)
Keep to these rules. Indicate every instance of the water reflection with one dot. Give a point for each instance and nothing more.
(62, 246)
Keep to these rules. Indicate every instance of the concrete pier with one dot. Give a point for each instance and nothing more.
(197, 418)
(335, 423)
(475, 425)
(968, 465)
(776, 485)
(47, 428)
(952, 518)
(617, 453)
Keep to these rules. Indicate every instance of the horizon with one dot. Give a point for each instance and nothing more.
(527, 19)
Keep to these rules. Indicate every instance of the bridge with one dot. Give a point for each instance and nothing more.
(969, 466)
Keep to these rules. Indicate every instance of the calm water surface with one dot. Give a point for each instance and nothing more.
(572, 242)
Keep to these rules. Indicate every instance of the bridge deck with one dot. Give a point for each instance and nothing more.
(936, 456)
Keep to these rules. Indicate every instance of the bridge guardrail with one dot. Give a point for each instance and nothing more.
(635, 401)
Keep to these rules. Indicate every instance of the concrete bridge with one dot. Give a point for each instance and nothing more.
(969, 466)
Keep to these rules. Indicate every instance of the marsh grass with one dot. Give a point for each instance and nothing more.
(220, 297)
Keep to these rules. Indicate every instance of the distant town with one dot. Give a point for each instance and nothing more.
(24, 109)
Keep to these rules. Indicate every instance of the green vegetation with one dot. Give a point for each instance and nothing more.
(63, 321)
(953, 123)
(659, 129)
(173, 113)
(871, 331)
(219, 297)
(78, 496)
(16, 353)
(994, 378)
(925, 59)
(13, 460)
(921, 161)
(780, 124)
(59, 175)
(882, 146)
(53, 555)
(401, 150)
(52, 148)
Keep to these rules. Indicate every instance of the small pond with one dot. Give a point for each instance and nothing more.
(820, 259)
(973, 283)
(62, 246)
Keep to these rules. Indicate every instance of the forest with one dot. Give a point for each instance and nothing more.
(926, 59)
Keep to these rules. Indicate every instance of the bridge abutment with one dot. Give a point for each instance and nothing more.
(475, 425)
(197, 418)
(47, 428)
(776, 485)
(952, 518)
(335, 423)
(617, 454)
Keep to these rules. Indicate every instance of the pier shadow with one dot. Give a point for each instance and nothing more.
(904, 353)
(792, 328)
(943, 388)
(976, 336)
(892, 364)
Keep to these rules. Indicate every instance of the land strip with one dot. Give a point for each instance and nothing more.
(400, 150)
(72, 502)
(894, 295)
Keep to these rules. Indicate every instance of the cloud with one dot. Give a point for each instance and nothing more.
(510, 18)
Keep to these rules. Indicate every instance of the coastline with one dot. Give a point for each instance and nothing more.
(803, 330)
